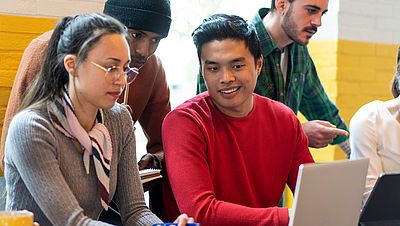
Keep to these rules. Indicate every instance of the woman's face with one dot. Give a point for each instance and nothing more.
(89, 88)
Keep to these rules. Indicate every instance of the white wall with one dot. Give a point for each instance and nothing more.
(376, 21)
(50, 8)
(329, 28)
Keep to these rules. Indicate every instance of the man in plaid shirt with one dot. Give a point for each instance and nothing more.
(288, 74)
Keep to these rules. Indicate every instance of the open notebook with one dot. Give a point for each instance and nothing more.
(329, 194)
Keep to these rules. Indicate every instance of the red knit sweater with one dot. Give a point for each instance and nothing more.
(231, 171)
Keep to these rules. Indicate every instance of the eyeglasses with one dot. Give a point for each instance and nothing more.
(114, 73)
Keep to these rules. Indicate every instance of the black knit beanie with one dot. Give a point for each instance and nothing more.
(146, 15)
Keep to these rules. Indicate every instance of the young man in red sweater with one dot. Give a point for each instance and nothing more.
(230, 152)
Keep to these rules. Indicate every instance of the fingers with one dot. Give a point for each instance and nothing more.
(325, 123)
(147, 162)
(321, 133)
(324, 136)
(339, 132)
(330, 129)
(319, 143)
(182, 219)
(190, 220)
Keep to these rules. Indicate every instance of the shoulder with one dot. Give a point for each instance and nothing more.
(31, 60)
(152, 70)
(40, 43)
(200, 101)
(366, 114)
(272, 105)
(29, 117)
(199, 106)
(153, 63)
(117, 114)
(30, 123)
(274, 113)
(195, 115)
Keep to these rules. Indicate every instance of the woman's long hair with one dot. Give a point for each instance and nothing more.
(396, 80)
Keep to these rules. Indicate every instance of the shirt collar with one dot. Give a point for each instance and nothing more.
(265, 38)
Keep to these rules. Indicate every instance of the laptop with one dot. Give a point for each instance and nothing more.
(383, 205)
(329, 194)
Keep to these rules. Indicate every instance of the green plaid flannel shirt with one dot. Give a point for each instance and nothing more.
(303, 90)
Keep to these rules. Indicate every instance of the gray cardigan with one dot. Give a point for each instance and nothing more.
(45, 174)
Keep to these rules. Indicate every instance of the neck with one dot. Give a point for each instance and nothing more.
(272, 22)
(86, 114)
(238, 112)
(85, 118)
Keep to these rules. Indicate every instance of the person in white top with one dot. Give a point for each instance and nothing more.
(374, 134)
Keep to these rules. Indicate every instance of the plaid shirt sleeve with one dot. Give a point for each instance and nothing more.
(316, 105)
(201, 86)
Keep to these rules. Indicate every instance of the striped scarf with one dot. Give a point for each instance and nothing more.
(95, 144)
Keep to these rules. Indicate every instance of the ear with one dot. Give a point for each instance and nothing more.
(70, 63)
(259, 64)
(281, 6)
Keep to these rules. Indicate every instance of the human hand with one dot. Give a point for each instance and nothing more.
(149, 161)
(321, 133)
(36, 224)
(183, 219)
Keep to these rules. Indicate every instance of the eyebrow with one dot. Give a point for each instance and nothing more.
(239, 59)
(210, 62)
(318, 8)
(113, 59)
(144, 33)
(116, 60)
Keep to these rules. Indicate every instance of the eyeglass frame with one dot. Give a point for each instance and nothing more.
(133, 70)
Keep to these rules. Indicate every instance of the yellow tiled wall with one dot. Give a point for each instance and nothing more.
(353, 74)
(15, 34)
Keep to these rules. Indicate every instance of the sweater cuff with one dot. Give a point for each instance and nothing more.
(283, 216)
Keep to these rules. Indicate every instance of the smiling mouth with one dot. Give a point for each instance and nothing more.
(229, 91)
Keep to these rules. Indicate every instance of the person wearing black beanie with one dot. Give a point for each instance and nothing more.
(148, 21)
(147, 15)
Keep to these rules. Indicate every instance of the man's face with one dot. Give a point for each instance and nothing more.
(302, 18)
(230, 74)
(143, 44)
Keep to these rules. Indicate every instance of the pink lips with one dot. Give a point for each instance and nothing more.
(115, 94)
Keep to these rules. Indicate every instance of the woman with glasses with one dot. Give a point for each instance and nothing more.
(71, 148)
